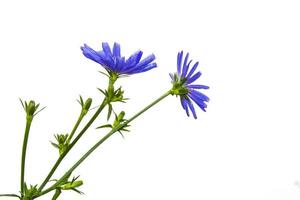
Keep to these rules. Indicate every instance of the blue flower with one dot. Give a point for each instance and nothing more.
(183, 85)
(113, 62)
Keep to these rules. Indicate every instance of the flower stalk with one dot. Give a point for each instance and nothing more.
(93, 148)
(84, 110)
(116, 66)
(23, 159)
(85, 107)
(31, 110)
(62, 156)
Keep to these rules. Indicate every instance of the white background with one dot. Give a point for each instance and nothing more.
(246, 146)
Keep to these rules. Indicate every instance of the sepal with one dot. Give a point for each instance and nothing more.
(178, 85)
(71, 185)
(61, 142)
(118, 120)
(29, 192)
(114, 95)
(31, 108)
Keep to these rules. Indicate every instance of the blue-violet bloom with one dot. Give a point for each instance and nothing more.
(184, 87)
(113, 62)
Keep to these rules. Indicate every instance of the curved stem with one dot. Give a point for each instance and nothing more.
(25, 141)
(117, 128)
(61, 157)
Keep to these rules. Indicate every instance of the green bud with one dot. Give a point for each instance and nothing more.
(29, 192)
(31, 108)
(121, 116)
(61, 138)
(116, 123)
(72, 185)
(118, 95)
(86, 106)
(119, 119)
(61, 142)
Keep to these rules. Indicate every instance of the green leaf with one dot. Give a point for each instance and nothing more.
(121, 134)
(105, 126)
(22, 104)
(39, 111)
(103, 73)
(109, 111)
(55, 145)
(78, 191)
(105, 93)
(80, 101)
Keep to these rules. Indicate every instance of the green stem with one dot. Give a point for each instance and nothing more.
(75, 127)
(61, 157)
(101, 141)
(9, 195)
(25, 141)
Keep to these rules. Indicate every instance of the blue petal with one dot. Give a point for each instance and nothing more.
(106, 48)
(149, 66)
(199, 95)
(146, 60)
(141, 65)
(184, 105)
(146, 68)
(134, 59)
(192, 108)
(193, 69)
(198, 101)
(117, 50)
(198, 86)
(193, 78)
(91, 54)
(120, 64)
(185, 69)
(179, 61)
(112, 60)
(109, 62)
(185, 63)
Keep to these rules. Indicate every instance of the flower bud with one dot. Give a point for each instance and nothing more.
(87, 104)
(119, 119)
(72, 185)
(31, 108)
(121, 116)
